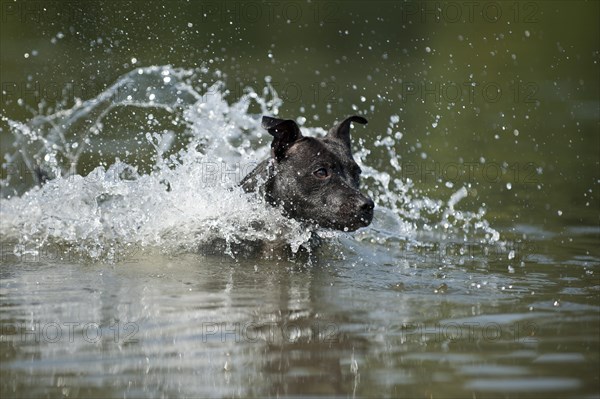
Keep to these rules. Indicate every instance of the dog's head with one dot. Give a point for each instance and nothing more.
(317, 179)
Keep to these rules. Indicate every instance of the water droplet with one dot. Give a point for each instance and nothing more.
(441, 289)
(354, 366)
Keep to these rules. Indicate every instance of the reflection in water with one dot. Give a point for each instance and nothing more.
(211, 326)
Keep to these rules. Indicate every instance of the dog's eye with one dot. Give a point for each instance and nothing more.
(321, 173)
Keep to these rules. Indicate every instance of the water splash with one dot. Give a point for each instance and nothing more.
(182, 192)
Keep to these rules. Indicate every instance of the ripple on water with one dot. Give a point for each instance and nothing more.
(523, 385)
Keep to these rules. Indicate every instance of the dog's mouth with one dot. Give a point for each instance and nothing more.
(351, 216)
(363, 219)
(353, 222)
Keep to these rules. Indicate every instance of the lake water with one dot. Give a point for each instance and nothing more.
(477, 278)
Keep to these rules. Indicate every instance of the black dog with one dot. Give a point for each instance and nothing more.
(314, 180)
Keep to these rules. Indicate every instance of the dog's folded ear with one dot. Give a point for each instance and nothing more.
(341, 132)
(285, 132)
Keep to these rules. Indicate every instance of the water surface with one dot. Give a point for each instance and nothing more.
(477, 278)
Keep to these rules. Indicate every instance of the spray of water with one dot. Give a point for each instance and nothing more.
(184, 193)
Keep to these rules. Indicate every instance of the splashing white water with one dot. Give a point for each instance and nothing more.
(201, 146)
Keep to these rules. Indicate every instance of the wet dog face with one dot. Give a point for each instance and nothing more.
(314, 180)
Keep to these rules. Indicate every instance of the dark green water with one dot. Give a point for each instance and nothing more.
(499, 97)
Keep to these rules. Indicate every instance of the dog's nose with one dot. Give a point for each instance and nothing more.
(367, 204)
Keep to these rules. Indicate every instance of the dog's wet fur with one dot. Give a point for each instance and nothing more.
(314, 180)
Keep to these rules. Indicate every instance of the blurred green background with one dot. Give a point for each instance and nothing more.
(502, 97)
